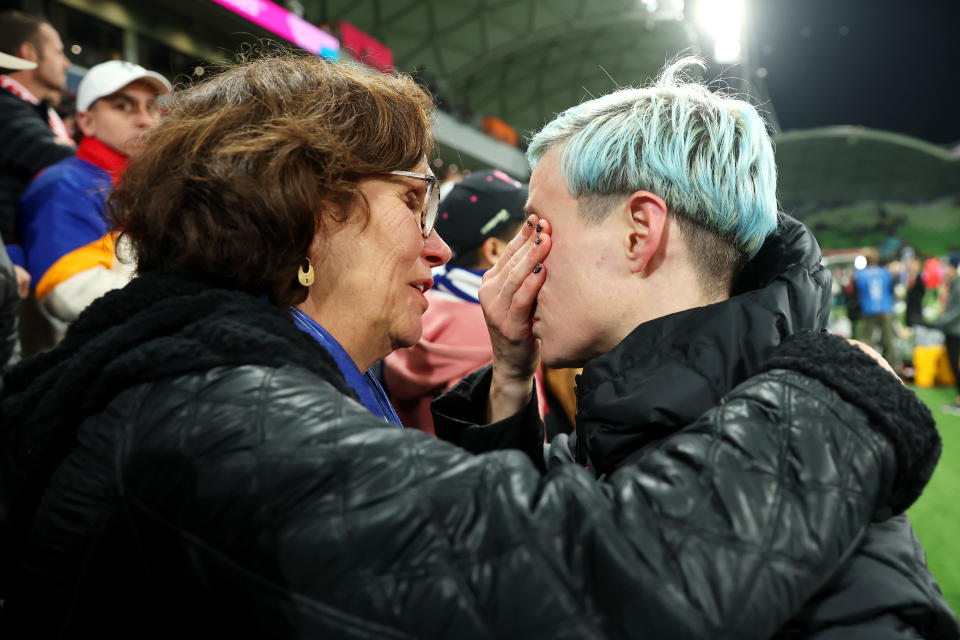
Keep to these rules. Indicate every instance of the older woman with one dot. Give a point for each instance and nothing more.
(205, 454)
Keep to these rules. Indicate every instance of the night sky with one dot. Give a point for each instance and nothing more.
(885, 64)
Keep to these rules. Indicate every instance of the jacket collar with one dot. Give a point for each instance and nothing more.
(101, 155)
(17, 89)
(670, 370)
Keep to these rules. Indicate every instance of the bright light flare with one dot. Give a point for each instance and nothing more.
(723, 19)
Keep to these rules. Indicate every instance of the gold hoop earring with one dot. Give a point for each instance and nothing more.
(305, 277)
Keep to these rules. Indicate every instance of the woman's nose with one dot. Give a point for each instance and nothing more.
(435, 250)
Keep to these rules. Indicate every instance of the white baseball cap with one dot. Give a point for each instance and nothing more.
(13, 63)
(109, 77)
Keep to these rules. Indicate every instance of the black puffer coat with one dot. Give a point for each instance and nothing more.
(187, 463)
(699, 367)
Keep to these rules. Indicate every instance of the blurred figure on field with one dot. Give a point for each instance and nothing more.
(874, 286)
(452, 179)
(949, 323)
(915, 292)
(14, 280)
(62, 219)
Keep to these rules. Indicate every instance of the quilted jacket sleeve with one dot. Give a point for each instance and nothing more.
(301, 510)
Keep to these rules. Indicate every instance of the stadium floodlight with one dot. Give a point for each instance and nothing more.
(723, 20)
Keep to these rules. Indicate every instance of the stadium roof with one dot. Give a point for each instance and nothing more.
(838, 165)
(522, 61)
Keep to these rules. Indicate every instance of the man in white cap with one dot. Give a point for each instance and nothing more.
(62, 219)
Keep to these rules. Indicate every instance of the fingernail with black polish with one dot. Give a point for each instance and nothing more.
(538, 268)
(529, 224)
(538, 241)
(539, 227)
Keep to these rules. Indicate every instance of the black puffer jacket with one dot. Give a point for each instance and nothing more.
(26, 146)
(187, 463)
(761, 347)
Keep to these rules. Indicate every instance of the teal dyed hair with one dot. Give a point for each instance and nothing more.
(708, 155)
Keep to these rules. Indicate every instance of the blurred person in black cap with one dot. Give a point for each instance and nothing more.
(14, 280)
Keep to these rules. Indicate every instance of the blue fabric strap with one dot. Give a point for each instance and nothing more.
(366, 385)
(448, 281)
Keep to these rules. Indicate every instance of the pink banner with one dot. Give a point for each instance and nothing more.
(278, 20)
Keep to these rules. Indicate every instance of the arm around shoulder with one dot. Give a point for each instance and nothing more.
(712, 533)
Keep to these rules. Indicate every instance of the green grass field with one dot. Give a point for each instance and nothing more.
(936, 513)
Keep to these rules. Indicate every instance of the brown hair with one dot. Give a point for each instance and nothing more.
(245, 167)
(17, 27)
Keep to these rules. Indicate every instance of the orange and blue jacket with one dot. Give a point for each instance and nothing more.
(62, 216)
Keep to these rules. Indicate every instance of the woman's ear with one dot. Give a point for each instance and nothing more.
(647, 217)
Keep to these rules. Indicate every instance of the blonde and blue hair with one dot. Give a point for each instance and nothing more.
(708, 155)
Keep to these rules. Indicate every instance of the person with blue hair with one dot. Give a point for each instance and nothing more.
(655, 258)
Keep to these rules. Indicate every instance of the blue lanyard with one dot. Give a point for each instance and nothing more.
(366, 385)
(442, 281)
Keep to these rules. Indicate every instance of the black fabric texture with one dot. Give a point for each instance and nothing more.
(523, 431)
(26, 146)
(894, 410)
(194, 491)
(767, 343)
(188, 325)
(9, 304)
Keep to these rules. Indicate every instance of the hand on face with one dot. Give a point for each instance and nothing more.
(508, 297)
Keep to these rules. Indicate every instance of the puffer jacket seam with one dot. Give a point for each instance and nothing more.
(320, 607)
(448, 549)
(786, 395)
(866, 434)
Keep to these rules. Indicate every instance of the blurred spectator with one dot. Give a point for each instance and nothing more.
(32, 135)
(932, 273)
(874, 286)
(14, 279)
(915, 293)
(62, 216)
(477, 220)
(452, 178)
(949, 323)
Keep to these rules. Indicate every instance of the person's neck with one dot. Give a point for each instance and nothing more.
(104, 156)
(665, 292)
(28, 81)
(346, 331)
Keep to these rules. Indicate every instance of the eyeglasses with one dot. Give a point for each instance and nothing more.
(431, 200)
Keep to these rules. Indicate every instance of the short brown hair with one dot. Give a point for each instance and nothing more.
(17, 27)
(245, 167)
